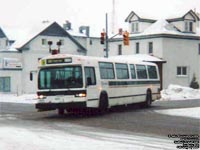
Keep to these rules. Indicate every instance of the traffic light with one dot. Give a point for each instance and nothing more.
(102, 39)
(126, 38)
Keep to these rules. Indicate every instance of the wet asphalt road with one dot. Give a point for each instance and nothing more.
(131, 119)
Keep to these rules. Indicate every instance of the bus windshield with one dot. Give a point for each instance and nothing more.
(60, 77)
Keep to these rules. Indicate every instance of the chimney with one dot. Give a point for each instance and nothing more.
(67, 25)
(86, 29)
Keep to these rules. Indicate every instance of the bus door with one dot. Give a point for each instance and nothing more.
(91, 84)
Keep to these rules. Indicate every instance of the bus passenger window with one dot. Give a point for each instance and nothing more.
(133, 74)
(141, 71)
(90, 76)
(152, 72)
(106, 70)
(122, 71)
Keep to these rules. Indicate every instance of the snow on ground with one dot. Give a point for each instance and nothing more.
(16, 138)
(176, 92)
(13, 98)
(184, 112)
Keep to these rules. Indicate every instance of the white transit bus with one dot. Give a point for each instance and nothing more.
(72, 82)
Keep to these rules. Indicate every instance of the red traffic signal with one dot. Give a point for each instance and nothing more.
(102, 39)
(126, 38)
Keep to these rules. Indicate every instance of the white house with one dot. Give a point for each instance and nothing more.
(175, 40)
(32, 46)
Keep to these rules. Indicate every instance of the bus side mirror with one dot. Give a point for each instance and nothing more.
(31, 76)
(89, 81)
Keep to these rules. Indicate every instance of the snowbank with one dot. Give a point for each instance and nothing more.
(176, 92)
(183, 112)
(13, 98)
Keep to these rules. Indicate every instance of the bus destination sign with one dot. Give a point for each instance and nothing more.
(59, 60)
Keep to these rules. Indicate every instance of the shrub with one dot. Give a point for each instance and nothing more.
(194, 84)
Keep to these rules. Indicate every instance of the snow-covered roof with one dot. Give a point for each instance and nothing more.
(25, 34)
(76, 33)
(141, 15)
(181, 13)
(138, 58)
(2, 34)
(163, 27)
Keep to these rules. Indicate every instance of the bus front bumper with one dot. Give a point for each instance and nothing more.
(53, 106)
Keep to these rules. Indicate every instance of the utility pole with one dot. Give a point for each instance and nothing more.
(104, 39)
(107, 35)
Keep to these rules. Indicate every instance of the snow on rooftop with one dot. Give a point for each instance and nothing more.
(138, 57)
(161, 26)
(76, 33)
(24, 34)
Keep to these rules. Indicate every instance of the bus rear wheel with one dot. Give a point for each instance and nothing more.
(148, 99)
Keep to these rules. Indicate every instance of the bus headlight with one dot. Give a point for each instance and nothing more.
(80, 95)
(41, 97)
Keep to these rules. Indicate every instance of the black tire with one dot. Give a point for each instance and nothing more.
(148, 99)
(61, 111)
(103, 102)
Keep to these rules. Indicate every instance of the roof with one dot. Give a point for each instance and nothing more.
(144, 18)
(162, 28)
(2, 34)
(180, 14)
(45, 29)
(139, 58)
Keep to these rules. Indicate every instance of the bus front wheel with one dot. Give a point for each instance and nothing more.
(61, 111)
(103, 102)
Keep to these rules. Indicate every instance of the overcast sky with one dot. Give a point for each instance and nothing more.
(16, 13)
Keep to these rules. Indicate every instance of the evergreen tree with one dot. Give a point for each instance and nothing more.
(194, 84)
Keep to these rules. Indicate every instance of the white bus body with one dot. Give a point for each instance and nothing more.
(69, 81)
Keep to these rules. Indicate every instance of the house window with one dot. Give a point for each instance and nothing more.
(5, 84)
(120, 49)
(62, 42)
(90, 42)
(191, 26)
(137, 48)
(135, 27)
(181, 71)
(150, 47)
(44, 41)
(188, 26)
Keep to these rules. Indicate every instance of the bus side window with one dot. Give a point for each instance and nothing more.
(90, 77)
(106, 70)
(122, 71)
(133, 73)
(141, 71)
(152, 72)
